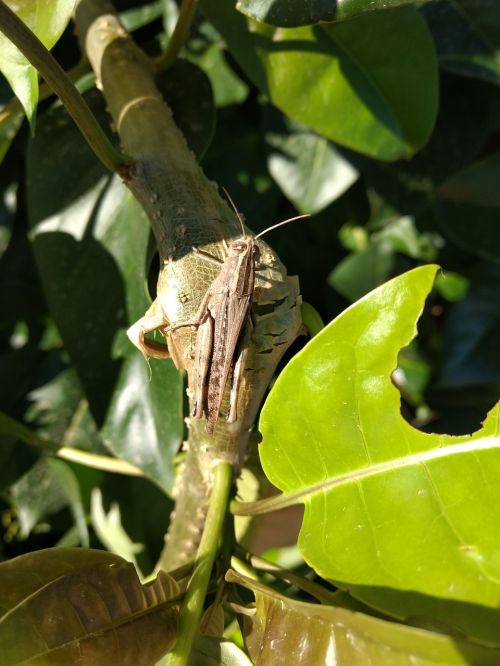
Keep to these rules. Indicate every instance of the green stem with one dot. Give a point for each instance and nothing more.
(314, 589)
(48, 67)
(179, 36)
(192, 606)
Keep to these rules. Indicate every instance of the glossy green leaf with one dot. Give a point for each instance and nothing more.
(91, 239)
(336, 80)
(400, 518)
(48, 21)
(292, 13)
(310, 172)
(321, 634)
(64, 606)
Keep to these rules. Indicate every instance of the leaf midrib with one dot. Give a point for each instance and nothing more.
(422, 458)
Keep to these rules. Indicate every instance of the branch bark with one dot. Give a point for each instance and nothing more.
(186, 211)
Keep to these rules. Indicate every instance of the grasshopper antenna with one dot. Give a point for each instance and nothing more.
(280, 224)
(235, 210)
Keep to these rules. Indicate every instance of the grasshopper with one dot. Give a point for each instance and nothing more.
(224, 323)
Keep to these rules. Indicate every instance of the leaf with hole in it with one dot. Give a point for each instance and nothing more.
(292, 13)
(315, 632)
(400, 518)
(47, 20)
(337, 80)
(65, 606)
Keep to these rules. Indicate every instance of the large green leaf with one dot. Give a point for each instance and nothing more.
(65, 606)
(292, 13)
(47, 20)
(336, 78)
(321, 634)
(401, 518)
(90, 239)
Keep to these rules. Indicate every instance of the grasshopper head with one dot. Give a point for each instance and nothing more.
(245, 245)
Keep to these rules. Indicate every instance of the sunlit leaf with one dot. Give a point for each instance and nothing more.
(381, 102)
(400, 518)
(82, 606)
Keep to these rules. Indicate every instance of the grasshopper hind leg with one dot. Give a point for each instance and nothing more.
(239, 369)
(204, 349)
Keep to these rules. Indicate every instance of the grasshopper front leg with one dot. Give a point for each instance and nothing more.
(154, 319)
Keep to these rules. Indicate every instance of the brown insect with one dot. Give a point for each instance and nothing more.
(225, 322)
